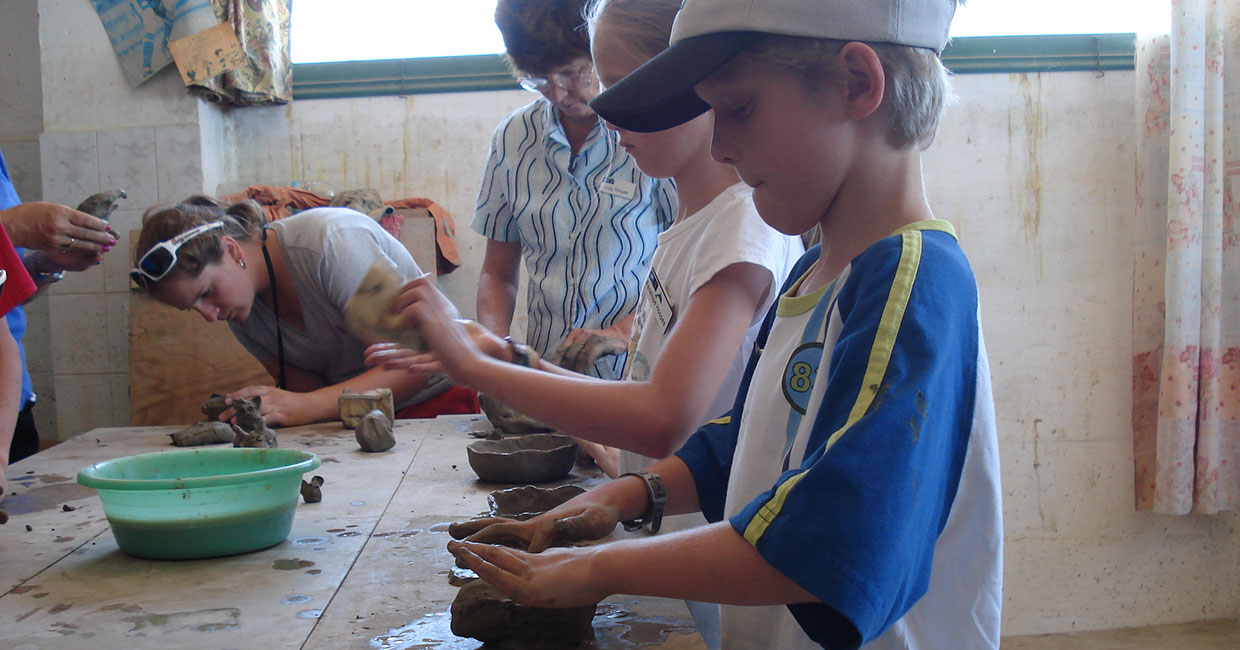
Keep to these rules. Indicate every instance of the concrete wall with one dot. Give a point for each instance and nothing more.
(1036, 171)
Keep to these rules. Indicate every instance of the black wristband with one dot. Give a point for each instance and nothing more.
(656, 495)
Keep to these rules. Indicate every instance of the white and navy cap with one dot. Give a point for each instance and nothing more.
(709, 33)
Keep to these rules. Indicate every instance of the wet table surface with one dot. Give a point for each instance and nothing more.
(365, 568)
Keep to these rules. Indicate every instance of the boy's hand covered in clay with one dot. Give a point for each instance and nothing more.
(559, 577)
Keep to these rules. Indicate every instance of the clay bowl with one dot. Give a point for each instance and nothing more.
(531, 458)
(527, 501)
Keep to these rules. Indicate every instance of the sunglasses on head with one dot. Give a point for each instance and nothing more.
(158, 261)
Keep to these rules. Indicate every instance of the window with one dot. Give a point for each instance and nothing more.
(377, 47)
(1052, 17)
(325, 30)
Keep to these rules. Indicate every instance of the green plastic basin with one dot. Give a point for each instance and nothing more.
(199, 503)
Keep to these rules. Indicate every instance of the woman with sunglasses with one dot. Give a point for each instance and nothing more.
(282, 287)
(560, 192)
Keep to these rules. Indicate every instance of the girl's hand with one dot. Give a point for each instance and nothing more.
(394, 356)
(556, 578)
(425, 309)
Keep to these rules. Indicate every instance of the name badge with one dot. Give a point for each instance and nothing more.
(664, 310)
(617, 187)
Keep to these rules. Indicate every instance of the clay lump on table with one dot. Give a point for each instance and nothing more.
(482, 612)
(374, 432)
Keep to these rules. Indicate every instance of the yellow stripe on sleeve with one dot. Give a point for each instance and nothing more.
(876, 368)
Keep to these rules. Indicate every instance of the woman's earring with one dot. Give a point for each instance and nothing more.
(241, 261)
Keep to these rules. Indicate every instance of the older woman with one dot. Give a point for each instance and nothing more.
(560, 191)
(282, 287)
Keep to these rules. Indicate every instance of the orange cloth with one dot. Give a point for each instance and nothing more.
(280, 202)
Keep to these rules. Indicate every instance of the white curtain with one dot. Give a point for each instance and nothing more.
(1186, 271)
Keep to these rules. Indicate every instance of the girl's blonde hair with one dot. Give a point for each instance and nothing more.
(642, 27)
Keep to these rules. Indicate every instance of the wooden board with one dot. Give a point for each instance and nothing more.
(176, 360)
(417, 233)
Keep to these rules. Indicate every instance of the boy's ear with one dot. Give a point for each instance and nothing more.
(865, 81)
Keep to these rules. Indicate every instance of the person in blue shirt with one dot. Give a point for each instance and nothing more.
(62, 239)
(560, 192)
(854, 488)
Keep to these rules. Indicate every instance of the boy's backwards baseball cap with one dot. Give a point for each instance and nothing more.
(709, 33)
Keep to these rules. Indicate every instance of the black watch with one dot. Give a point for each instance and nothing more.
(656, 495)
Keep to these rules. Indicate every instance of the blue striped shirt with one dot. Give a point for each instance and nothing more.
(587, 224)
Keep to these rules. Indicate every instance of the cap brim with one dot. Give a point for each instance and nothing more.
(659, 95)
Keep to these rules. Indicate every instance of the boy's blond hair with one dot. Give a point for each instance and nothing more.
(918, 86)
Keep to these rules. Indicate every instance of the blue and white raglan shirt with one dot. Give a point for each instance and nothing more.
(861, 460)
(588, 224)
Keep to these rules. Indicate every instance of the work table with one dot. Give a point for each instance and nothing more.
(365, 568)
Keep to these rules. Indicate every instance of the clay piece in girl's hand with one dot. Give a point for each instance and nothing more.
(374, 432)
(369, 311)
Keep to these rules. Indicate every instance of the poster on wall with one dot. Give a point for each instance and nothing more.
(140, 29)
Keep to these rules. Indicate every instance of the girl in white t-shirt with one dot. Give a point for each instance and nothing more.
(715, 273)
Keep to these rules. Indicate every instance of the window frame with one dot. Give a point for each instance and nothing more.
(965, 55)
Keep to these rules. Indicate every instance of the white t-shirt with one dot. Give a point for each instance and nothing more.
(727, 231)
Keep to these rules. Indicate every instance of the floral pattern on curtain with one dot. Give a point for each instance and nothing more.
(262, 27)
(1186, 272)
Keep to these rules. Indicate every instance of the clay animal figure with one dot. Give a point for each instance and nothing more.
(251, 429)
(374, 432)
(369, 311)
(483, 612)
(102, 204)
(311, 491)
(203, 433)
